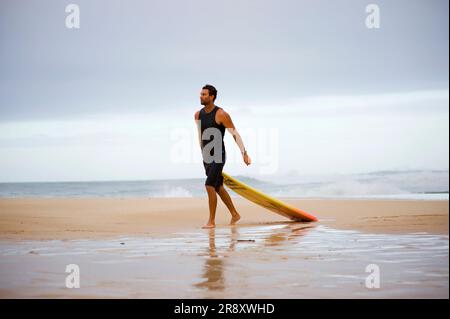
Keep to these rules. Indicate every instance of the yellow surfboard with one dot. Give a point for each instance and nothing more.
(266, 201)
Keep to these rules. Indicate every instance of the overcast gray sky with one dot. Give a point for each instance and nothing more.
(103, 101)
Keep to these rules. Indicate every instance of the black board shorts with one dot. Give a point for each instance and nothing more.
(213, 172)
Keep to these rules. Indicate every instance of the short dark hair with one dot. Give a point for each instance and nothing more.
(211, 89)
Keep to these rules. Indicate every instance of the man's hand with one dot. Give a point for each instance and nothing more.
(246, 158)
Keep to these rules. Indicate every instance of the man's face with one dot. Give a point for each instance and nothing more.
(205, 98)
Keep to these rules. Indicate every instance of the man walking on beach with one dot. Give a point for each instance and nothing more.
(211, 123)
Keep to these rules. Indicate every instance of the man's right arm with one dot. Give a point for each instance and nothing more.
(197, 122)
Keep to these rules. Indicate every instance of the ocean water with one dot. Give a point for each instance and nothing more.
(429, 185)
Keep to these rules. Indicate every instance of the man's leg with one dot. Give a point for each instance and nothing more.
(212, 199)
(229, 203)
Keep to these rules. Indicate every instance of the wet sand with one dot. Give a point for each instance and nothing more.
(155, 248)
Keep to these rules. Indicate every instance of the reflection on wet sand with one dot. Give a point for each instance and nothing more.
(213, 271)
(290, 232)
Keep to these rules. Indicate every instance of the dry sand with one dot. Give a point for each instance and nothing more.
(70, 218)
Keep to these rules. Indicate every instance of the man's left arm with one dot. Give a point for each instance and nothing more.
(228, 123)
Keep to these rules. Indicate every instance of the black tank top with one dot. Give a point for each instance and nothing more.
(208, 120)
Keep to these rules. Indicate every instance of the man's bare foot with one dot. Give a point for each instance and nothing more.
(209, 225)
(235, 218)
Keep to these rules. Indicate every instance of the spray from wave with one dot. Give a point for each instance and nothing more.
(172, 191)
(388, 184)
